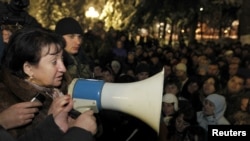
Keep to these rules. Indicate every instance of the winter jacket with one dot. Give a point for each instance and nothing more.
(49, 131)
(14, 90)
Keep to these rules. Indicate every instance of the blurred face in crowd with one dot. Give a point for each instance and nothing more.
(142, 75)
(168, 108)
(193, 87)
(97, 71)
(171, 88)
(50, 69)
(233, 69)
(167, 70)
(131, 56)
(180, 74)
(6, 35)
(208, 107)
(244, 103)
(119, 44)
(213, 69)
(181, 124)
(235, 84)
(73, 42)
(208, 86)
(107, 76)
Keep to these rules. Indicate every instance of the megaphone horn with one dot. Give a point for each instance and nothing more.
(141, 99)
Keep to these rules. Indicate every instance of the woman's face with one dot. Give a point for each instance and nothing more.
(50, 69)
(208, 86)
(208, 108)
(235, 84)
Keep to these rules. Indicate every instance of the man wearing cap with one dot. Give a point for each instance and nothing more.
(181, 73)
(75, 60)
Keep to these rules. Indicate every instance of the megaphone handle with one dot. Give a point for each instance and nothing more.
(74, 113)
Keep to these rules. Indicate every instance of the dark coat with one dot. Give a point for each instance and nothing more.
(49, 131)
(14, 90)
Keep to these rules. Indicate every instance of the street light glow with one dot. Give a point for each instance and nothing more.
(201, 8)
(91, 13)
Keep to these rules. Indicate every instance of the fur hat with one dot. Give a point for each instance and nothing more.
(171, 98)
(68, 25)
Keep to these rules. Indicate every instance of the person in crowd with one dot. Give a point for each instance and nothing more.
(75, 60)
(142, 71)
(194, 133)
(242, 117)
(233, 69)
(155, 63)
(130, 61)
(191, 92)
(233, 93)
(139, 51)
(97, 71)
(108, 74)
(181, 74)
(182, 119)
(214, 107)
(7, 31)
(169, 107)
(54, 127)
(119, 51)
(32, 64)
(213, 69)
(210, 85)
(172, 86)
(117, 68)
(168, 70)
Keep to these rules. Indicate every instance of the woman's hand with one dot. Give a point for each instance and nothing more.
(87, 121)
(60, 108)
(19, 114)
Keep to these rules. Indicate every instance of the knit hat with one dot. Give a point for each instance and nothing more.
(171, 98)
(181, 66)
(68, 26)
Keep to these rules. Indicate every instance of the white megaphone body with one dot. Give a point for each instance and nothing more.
(141, 99)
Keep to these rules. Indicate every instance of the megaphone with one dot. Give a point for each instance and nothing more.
(141, 99)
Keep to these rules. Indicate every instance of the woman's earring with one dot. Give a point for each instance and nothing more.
(30, 78)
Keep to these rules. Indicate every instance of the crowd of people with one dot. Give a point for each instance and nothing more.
(204, 83)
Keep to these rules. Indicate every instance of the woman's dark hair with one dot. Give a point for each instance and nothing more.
(217, 83)
(189, 115)
(26, 45)
(194, 133)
